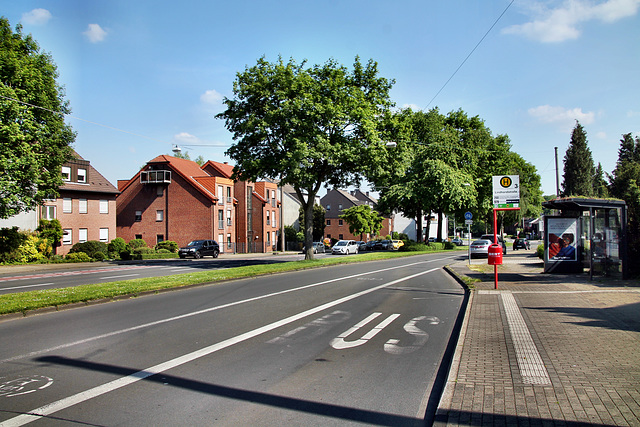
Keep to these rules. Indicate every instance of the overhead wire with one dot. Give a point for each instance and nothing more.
(470, 53)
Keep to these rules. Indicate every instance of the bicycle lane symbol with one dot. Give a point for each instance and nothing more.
(24, 385)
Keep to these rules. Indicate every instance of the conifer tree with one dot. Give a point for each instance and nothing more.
(579, 169)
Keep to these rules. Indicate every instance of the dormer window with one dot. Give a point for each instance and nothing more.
(66, 173)
(82, 176)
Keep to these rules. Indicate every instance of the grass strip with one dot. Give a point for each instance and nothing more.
(32, 300)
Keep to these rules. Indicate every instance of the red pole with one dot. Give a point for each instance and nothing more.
(495, 242)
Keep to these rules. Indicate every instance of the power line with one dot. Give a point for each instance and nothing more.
(470, 53)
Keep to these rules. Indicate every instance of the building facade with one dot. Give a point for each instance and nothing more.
(174, 199)
(86, 206)
(335, 202)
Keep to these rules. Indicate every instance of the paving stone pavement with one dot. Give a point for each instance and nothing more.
(544, 350)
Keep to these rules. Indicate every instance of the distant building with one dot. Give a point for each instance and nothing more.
(336, 201)
(86, 207)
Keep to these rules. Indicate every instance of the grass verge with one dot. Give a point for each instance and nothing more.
(33, 300)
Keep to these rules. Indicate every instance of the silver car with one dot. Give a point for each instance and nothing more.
(480, 248)
(345, 247)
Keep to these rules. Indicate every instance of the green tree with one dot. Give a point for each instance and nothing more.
(600, 188)
(579, 169)
(362, 219)
(34, 139)
(50, 231)
(625, 185)
(309, 126)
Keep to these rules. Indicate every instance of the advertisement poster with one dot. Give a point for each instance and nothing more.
(561, 235)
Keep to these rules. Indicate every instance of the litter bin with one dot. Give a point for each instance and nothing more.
(495, 254)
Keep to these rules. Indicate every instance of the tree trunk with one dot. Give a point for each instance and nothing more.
(308, 229)
(419, 227)
(439, 235)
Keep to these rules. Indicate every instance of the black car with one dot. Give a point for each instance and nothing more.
(200, 248)
(521, 244)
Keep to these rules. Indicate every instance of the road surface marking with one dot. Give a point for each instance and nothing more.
(339, 343)
(204, 311)
(26, 286)
(83, 396)
(117, 277)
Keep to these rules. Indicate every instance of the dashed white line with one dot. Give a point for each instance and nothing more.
(26, 286)
(117, 277)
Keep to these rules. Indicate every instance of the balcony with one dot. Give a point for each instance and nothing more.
(155, 177)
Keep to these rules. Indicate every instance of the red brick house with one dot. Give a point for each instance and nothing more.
(335, 202)
(174, 199)
(257, 211)
(86, 206)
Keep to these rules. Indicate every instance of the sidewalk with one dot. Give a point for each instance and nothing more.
(548, 350)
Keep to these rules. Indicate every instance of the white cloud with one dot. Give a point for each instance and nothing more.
(561, 115)
(211, 97)
(95, 33)
(562, 23)
(36, 17)
(601, 135)
(413, 107)
(186, 139)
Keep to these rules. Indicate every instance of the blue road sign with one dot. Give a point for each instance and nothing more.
(467, 215)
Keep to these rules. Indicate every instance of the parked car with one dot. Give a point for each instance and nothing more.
(382, 245)
(362, 246)
(396, 244)
(480, 248)
(318, 247)
(500, 241)
(521, 244)
(457, 241)
(371, 245)
(431, 239)
(200, 248)
(345, 247)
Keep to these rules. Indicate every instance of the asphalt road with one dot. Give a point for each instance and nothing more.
(14, 279)
(342, 345)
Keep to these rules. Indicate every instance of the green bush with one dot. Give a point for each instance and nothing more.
(77, 257)
(116, 246)
(10, 241)
(169, 245)
(144, 250)
(29, 251)
(99, 256)
(90, 247)
(449, 245)
(163, 251)
(540, 251)
(51, 231)
(137, 243)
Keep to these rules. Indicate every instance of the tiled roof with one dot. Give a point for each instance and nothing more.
(97, 183)
(225, 169)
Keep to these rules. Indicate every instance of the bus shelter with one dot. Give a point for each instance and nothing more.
(586, 234)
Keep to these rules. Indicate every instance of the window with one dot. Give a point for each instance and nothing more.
(229, 240)
(66, 173)
(104, 235)
(273, 198)
(220, 237)
(82, 175)
(273, 215)
(228, 216)
(340, 237)
(66, 236)
(340, 207)
(268, 217)
(220, 195)
(159, 215)
(138, 237)
(328, 222)
(82, 206)
(49, 212)
(220, 218)
(104, 206)
(328, 207)
(159, 190)
(82, 235)
(228, 194)
(340, 222)
(138, 217)
(66, 205)
(159, 238)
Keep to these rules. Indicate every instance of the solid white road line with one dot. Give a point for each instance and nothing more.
(67, 402)
(26, 286)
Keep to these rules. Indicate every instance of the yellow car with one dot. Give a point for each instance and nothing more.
(396, 244)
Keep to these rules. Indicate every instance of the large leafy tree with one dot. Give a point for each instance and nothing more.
(308, 126)
(579, 169)
(34, 138)
(362, 219)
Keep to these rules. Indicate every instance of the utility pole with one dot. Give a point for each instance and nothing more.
(557, 175)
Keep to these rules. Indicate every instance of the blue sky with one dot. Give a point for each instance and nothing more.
(142, 76)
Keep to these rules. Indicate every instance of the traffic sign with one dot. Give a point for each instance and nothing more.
(468, 215)
(506, 191)
(468, 221)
